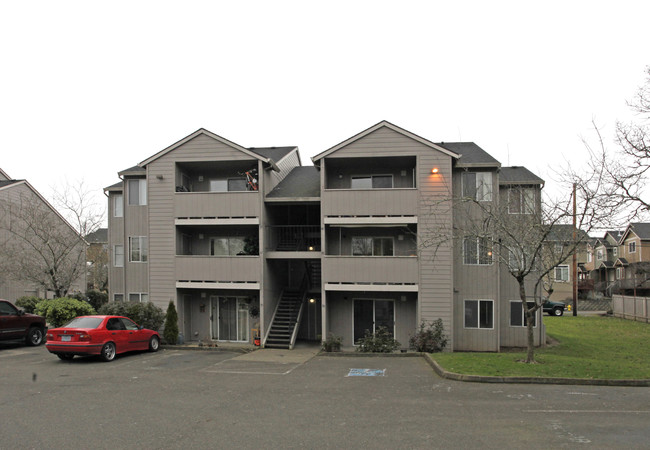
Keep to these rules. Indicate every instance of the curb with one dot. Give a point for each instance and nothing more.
(207, 349)
(530, 380)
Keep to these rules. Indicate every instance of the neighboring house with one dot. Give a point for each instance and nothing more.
(97, 260)
(19, 201)
(631, 267)
(560, 280)
(245, 240)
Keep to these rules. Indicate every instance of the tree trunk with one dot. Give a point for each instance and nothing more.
(530, 341)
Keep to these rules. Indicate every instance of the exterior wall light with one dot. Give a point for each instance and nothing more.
(312, 300)
(311, 249)
(434, 170)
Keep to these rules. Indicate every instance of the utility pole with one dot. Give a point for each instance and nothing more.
(574, 266)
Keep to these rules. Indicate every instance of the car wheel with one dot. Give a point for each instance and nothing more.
(108, 351)
(154, 344)
(34, 336)
(558, 312)
(65, 356)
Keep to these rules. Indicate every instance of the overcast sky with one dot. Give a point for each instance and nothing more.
(91, 88)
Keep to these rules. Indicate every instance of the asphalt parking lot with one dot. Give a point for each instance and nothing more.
(206, 399)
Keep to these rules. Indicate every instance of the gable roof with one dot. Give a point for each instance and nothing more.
(274, 153)
(641, 229)
(301, 182)
(4, 175)
(383, 124)
(114, 187)
(564, 232)
(135, 170)
(5, 183)
(518, 175)
(48, 204)
(471, 155)
(199, 132)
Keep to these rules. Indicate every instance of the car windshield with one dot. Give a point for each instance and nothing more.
(84, 322)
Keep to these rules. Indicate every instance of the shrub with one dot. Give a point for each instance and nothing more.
(60, 311)
(429, 338)
(380, 342)
(171, 324)
(146, 314)
(332, 343)
(96, 298)
(28, 303)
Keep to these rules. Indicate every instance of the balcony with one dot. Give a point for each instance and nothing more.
(217, 204)
(221, 269)
(371, 269)
(370, 202)
(293, 238)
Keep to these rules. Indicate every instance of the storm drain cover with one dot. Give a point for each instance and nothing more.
(366, 373)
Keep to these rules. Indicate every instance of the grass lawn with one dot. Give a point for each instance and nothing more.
(588, 347)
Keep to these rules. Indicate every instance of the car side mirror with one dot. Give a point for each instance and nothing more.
(21, 312)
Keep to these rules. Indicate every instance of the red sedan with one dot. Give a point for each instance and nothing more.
(100, 335)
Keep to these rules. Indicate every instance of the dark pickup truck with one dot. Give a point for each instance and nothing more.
(16, 324)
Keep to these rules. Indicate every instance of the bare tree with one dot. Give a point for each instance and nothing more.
(38, 245)
(627, 169)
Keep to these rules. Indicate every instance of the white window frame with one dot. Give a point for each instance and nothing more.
(143, 247)
(615, 251)
(599, 254)
(143, 297)
(118, 262)
(590, 256)
(374, 314)
(523, 315)
(619, 273)
(562, 267)
(118, 205)
(631, 247)
(478, 243)
(526, 200)
(478, 304)
(115, 299)
(371, 179)
(141, 189)
(482, 186)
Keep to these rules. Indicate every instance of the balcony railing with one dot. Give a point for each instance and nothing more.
(293, 238)
(218, 268)
(371, 269)
(217, 204)
(370, 202)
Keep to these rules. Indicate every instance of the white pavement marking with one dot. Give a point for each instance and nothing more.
(587, 411)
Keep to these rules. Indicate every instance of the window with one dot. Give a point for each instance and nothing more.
(372, 182)
(477, 186)
(562, 273)
(118, 298)
(477, 251)
(372, 246)
(118, 205)
(517, 315)
(138, 249)
(228, 185)
(118, 256)
(599, 254)
(631, 247)
(138, 297)
(590, 256)
(521, 201)
(227, 246)
(479, 314)
(619, 273)
(615, 251)
(137, 190)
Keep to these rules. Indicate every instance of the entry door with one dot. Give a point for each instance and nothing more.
(372, 314)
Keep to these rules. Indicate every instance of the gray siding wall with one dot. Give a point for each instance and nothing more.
(136, 223)
(115, 237)
(164, 207)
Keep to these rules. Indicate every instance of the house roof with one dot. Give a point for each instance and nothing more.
(471, 155)
(562, 232)
(621, 262)
(135, 170)
(274, 153)
(3, 174)
(114, 187)
(203, 131)
(518, 175)
(100, 236)
(641, 229)
(606, 264)
(4, 183)
(301, 182)
(383, 124)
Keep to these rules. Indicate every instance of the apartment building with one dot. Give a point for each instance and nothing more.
(248, 241)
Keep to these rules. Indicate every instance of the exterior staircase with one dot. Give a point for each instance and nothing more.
(314, 274)
(285, 320)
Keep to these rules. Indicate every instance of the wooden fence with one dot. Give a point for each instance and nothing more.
(632, 308)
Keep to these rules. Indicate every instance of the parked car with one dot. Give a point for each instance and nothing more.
(553, 308)
(16, 324)
(105, 336)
